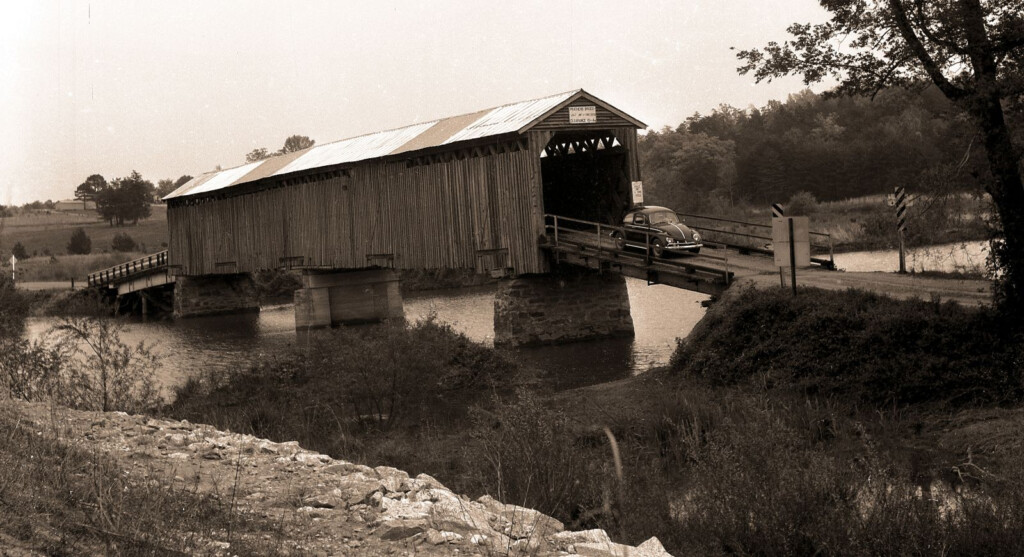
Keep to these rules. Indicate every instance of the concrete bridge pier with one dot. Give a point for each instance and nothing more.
(347, 297)
(565, 306)
(214, 295)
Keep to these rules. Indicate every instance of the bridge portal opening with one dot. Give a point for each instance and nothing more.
(586, 176)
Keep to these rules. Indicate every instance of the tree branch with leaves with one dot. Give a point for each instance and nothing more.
(971, 50)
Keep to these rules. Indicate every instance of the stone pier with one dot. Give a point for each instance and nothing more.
(214, 295)
(347, 297)
(562, 307)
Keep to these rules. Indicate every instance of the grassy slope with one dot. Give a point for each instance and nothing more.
(717, 457)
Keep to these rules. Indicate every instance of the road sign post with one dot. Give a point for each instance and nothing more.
(791, 241)
(899, 200)
(14, 261)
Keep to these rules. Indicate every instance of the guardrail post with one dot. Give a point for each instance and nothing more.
(647, 248)
(831, 255)
(555, 217)
(599, 246)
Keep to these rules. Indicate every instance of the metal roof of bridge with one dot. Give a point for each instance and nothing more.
(509, 118)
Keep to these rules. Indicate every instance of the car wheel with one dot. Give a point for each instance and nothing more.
(657, 247)
(694, 251)
(620, 242)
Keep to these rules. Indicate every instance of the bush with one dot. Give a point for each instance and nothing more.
(802, 204)
(19, 251)
(857, 344)
(80, 244)
(14, 307)
(81, 363)
(123, 242)
(370, 379)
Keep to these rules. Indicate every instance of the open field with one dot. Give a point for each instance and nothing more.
(48, 232)
(67, 267)
(868, 223)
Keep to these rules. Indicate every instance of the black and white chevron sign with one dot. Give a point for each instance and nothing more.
(901, 208)
(777, 211)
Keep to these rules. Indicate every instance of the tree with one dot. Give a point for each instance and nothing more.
(79, 243)
(257, 154)
(126, 199)
(296, 143)
(123, 242)
(971, 50)
(164, 187)
(19, 251)
(87, 190)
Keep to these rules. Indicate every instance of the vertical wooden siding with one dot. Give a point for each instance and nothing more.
(433, 216)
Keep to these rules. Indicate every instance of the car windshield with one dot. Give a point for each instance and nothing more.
(664, 217)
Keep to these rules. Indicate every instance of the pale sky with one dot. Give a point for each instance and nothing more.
(172, 88)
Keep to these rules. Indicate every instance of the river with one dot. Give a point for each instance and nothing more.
(661, 314)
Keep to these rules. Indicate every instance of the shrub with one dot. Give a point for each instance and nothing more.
(19, 251)
(857, 344)
(802, 204)
(14, 308)
(123, 242)
(81, 363)
(79, 243)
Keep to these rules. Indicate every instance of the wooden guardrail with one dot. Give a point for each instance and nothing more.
(820, 240)
(125, 271)
(592, 243)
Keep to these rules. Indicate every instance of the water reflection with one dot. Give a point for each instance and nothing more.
(660, 315)
(218, 344)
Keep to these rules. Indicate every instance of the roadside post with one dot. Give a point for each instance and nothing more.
(14, 261)
(791, 240)
(777, 213)
(898, 199)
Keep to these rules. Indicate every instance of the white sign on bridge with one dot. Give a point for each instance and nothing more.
(638, 193)
(582, 114)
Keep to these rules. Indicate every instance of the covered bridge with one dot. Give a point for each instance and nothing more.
(465, 192)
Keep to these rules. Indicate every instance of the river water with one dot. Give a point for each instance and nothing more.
(661, 314)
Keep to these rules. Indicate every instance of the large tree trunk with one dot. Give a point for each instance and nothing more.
(1007, 190)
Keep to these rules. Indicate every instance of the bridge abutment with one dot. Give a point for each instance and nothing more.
(214, 295)
(566, 306)
(347, 297)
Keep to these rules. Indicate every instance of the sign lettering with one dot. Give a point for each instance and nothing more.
(638, 193)
(582, 114)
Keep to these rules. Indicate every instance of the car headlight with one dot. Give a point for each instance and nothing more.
(696, 236)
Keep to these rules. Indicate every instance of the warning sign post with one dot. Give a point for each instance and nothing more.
(791, 240)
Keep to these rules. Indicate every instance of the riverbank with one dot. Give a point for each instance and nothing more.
(908, 442)
(233, 494)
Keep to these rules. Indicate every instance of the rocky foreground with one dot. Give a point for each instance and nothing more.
(325, 506)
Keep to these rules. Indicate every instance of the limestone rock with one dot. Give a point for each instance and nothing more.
(400, 529)
(436, 537)
(357, 488)
(528, 523)
(564, 539)
(452, 513)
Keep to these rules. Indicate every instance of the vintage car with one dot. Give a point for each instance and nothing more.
(658, 229)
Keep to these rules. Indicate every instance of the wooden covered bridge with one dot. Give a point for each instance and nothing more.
(472, 192)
